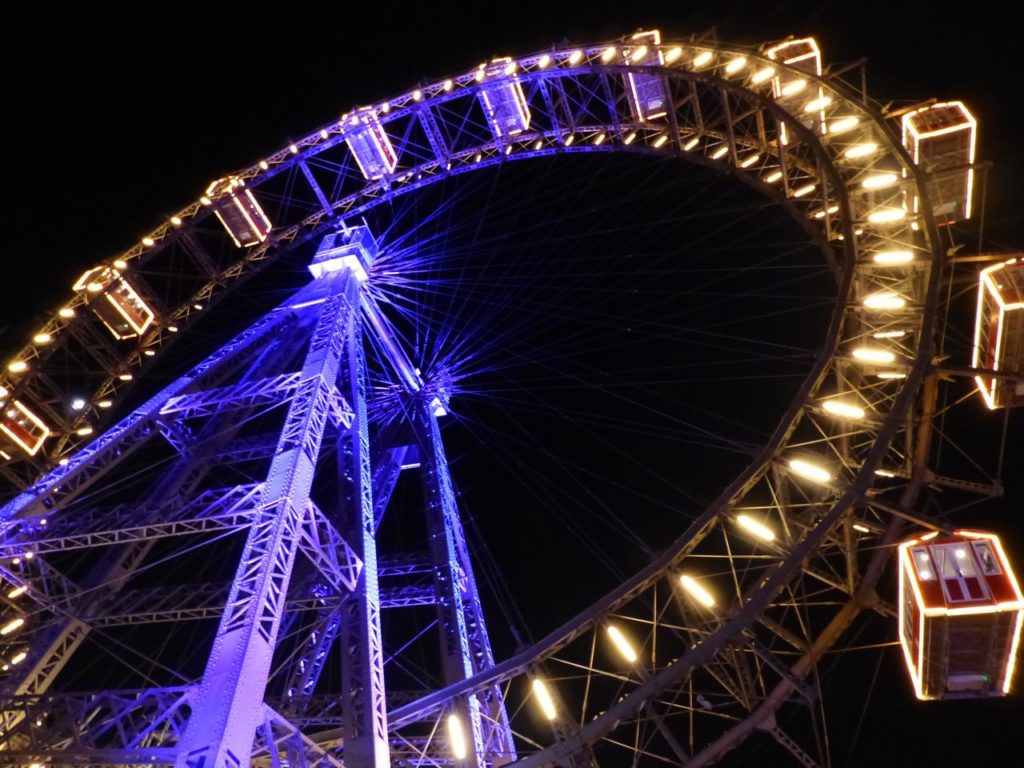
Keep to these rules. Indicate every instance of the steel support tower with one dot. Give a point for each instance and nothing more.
(226, 718)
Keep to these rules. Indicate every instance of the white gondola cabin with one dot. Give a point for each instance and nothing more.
(369, 144)
(115, 302)
(503, 99)
(21, 425)
(239, 211)
(648, 94)
(802, 54)
(941, 139)
(960, 610)
(999, 333)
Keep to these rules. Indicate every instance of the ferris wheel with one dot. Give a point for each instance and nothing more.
(249, 545)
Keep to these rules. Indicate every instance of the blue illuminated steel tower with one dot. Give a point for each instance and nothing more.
(203, 414)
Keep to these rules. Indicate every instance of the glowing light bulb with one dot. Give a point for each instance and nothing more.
(78, 404)
(120, 264)
(673, 55)
(11, 626)
(323, 133)
(630, 137)
(42, 338)
(608, 54)
(843, 124)
(149, 242)
(889, 335)
(697, 592)
(599, 139)
(880, 181)
(575, 57)
(861, 528)
(806, 189)
(722, 151)
(660, 141)
(105, 403)
(809, 471)
(762, 75)
(873, 355)
(861, 150)
(884, 300)
(83, 431)
(293, 148)
(17, 592)
(691, 143)
(749, 161)
(544, 700)
(543, 63)
(66, 312)
(844, 409)
(772, 177)
(456, 737)
(755, 527)
(893, 257)
(887, 215)
(17, 366)
(622, 644)
(417, 95)
(18, 658)
(793, 87)
(638, 54)
(736, 65)
(818, 104)
(702, 58)
(125, 377)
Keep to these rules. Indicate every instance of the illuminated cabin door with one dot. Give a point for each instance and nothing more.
(958, 572)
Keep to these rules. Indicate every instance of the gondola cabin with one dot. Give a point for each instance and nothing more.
(238, 211)
(960, 611)
(648, 97)
(21, 425)
(115, 302)
(941, 139)
(804, 55)
(999, 333)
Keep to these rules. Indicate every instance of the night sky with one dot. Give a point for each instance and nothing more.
(118, 114)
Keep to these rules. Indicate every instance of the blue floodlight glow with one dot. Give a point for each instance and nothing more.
(353, 249)
(370, 145)
(504, 101)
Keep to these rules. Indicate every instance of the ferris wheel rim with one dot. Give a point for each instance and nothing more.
(907, 391)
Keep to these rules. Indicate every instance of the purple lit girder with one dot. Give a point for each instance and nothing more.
(363, 704)
(73, 606)
(464, 639)
(229, 700)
